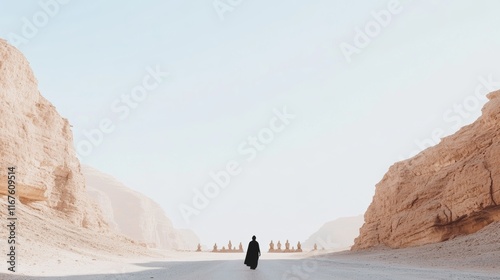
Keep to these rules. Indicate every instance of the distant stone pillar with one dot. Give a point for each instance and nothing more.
(299, 247)
(287, 246)
(271, 247)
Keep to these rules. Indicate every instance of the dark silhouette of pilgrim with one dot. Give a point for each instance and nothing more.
(253, 254)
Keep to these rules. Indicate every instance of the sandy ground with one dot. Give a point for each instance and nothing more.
(476, 252)
(470, 257)
(337, 266)
(50, 249)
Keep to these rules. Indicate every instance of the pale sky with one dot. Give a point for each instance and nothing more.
(422, 72)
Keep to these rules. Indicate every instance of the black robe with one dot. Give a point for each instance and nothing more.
(253, 252)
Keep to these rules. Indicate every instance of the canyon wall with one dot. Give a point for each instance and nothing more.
(39, 143)
(447, 190)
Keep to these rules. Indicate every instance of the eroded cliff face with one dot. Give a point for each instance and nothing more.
(39, 142)
(135, 215)
(447, 190)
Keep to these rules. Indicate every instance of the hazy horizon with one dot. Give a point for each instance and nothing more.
(355, 103)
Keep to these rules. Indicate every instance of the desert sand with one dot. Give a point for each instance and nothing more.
(375, 264)
(321, 269)
(467, 257)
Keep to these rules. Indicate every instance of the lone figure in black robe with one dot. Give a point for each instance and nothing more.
(253, 254)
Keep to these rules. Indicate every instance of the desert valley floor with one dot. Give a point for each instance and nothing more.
(339, 266)
(474, 256)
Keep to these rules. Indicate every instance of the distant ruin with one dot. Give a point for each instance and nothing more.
(287, 248)
(273, 248)
(230, 248)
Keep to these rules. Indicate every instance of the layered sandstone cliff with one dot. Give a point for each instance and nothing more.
(38, 141)
(447, 190)
(135, 215)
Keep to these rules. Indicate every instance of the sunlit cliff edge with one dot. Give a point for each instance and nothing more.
(448, 190)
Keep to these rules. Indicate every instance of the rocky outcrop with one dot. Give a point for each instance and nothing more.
(39, 142)
(135, 215)
(336, 235)
(447, 190)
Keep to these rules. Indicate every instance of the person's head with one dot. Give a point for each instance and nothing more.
(253, 238)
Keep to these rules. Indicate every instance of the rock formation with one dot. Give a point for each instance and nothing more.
(447, 190)
(59, 222)
(135, 215)
(336, 235)
(39, 142)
